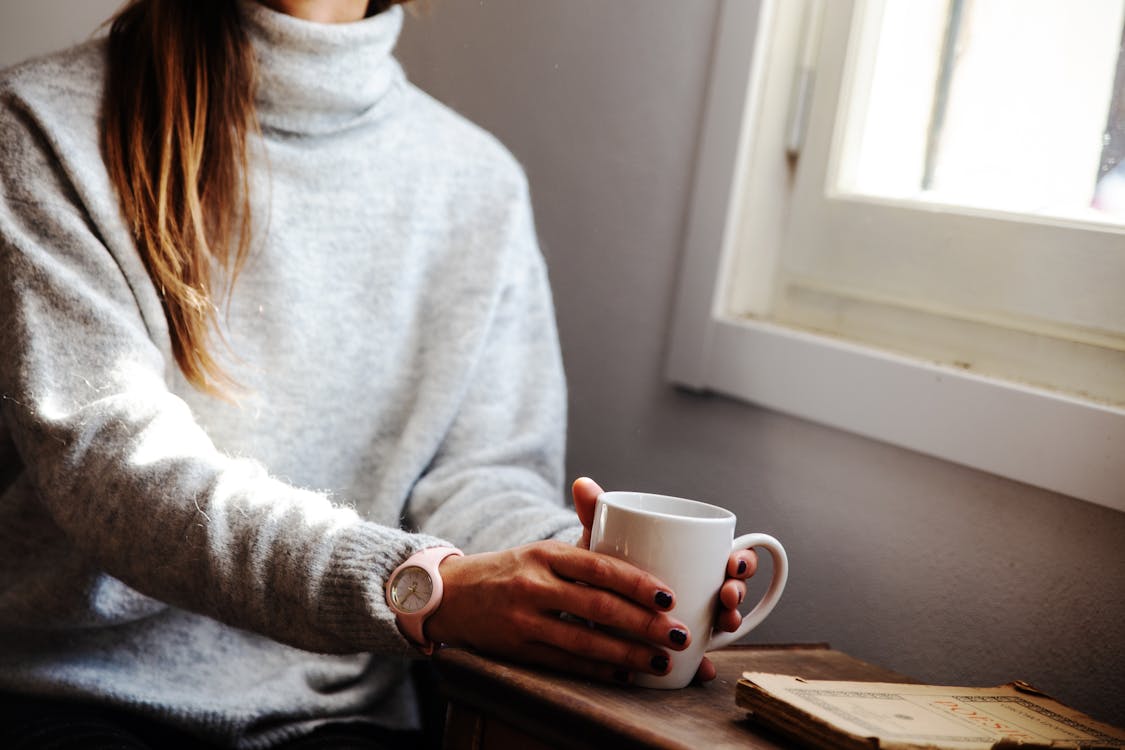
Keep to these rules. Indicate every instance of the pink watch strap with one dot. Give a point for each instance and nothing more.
(412, 623)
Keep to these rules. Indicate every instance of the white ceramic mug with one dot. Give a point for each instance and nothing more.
(686, 544)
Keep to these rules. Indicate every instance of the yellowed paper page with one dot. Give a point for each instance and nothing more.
(921, 716)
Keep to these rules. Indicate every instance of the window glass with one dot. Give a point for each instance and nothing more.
(1011, 105)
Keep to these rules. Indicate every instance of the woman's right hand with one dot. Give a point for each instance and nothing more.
(509, 604)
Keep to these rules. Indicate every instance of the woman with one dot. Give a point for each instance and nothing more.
(275, 325)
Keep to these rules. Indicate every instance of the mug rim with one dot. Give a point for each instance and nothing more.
(723, 517)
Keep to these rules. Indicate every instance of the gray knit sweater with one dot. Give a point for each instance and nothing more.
(221, 566)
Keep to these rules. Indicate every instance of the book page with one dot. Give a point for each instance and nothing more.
(905, 716)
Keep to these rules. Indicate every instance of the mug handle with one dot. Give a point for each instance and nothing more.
(769, 599)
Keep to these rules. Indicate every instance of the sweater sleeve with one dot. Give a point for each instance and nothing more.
(122, 469)
(496, 481)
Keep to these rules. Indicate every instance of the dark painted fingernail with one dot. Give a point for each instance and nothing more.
(741, 595)
(663, 599)
(621, 676)
(677, 636)
(741, 567)
(660, 663)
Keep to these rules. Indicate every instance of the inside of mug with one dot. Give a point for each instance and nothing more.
(665, 505)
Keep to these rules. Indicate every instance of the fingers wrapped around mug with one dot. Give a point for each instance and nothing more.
(741, 565)
(731, 594)
(585, 492)
(509, 604)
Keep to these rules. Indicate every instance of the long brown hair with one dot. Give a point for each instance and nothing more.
(179, 107)
(179, 111)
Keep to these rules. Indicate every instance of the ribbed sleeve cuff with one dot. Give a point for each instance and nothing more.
(352, 604)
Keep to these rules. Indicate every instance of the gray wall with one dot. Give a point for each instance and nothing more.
(33, 27)
(932, 569)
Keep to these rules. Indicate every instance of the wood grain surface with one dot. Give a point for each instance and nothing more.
(495, 705)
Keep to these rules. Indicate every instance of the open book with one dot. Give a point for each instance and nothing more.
(894, 716)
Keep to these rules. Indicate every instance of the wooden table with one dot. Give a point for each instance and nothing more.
(496, 705)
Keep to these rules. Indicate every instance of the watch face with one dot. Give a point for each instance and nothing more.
(411, 589)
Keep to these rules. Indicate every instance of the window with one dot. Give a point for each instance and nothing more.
(908, 223)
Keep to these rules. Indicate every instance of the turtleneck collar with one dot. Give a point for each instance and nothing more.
(315, 78)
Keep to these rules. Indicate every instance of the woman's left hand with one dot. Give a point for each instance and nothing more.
(740, 566)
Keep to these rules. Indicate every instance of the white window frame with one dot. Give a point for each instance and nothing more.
(1043, 438)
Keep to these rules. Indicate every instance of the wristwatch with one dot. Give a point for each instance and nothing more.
(414, 591)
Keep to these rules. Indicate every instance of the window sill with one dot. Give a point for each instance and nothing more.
(1045, 439)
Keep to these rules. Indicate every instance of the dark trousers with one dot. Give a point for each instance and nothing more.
(41, 724)
(28, 723)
